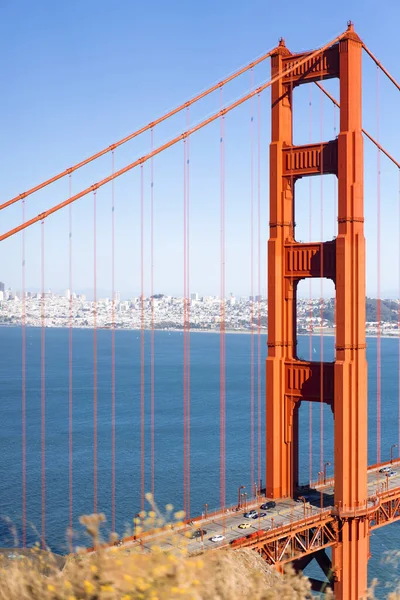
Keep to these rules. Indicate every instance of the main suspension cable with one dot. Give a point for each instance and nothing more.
(172, 142)
(138, 132)
(382, 68)
(368, 135)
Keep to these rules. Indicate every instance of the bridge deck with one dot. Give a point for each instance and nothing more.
(287, 515)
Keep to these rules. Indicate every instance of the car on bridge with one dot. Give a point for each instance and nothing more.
(259, 516)
(244, 525)
(268, 505)
(392, 473)
(217, 538)
(198, 533)
(385, 470)
(250, 514)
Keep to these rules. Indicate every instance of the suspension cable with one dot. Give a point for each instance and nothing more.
(368, 135)
(43, 394)
(382, 68)
(138, 132)
(23, 381)
(252, 348)
(94, 353)
(172, 142)
(70, 373)
(222, 340)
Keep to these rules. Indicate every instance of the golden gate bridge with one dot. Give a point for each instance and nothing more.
(355, 501)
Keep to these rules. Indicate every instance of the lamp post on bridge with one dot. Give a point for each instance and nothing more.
(136, 522)
(304, 504)
(205, 510)
(391, 452)
(241, 487)
(327, 464)
(320, 479)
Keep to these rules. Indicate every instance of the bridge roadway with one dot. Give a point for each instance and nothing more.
(286, 512)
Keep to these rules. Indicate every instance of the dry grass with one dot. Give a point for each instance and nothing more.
(116, 574)
(128, 573)
(131, 574)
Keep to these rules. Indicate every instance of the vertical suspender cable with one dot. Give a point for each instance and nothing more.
(310, 404)
(112, 347)
(321, 416)
(142, 440)
(43, 393)
(152, 314)
(398, 327)
(186, 322)
(23, 406)
(184, 334)
(259, 291)
(378, 303)
(222, 309)
(252, 285)
(94, 353)
(187, 166)
(70, 380)
(335, 216)
(293, 286)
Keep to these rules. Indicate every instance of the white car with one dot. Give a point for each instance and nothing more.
(217, 538)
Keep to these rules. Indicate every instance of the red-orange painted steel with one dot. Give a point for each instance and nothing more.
(138, 132)
(305, 59)
(348, 378)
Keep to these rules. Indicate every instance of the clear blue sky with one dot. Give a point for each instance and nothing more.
(79, 75)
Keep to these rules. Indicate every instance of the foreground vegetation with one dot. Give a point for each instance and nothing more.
(129, 573)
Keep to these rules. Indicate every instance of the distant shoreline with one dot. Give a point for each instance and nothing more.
(328, 333)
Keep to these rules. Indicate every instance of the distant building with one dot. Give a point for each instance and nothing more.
(194, 296)
(117, 297)
(2, 287)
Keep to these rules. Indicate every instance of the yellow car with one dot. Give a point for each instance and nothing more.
(244, 525)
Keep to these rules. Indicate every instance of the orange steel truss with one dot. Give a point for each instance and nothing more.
(342, 384)
(293, 541)
(299, 542)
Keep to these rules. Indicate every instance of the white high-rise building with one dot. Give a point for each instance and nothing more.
(117, 297)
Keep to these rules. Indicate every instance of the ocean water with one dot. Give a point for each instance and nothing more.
(205, 389)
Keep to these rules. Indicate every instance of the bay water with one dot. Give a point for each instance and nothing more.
(168, 395)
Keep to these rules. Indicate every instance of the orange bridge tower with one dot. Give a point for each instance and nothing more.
(290, 381)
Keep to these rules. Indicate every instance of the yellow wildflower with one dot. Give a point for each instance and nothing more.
(179, 515)
(51, 588)
(89, 587)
